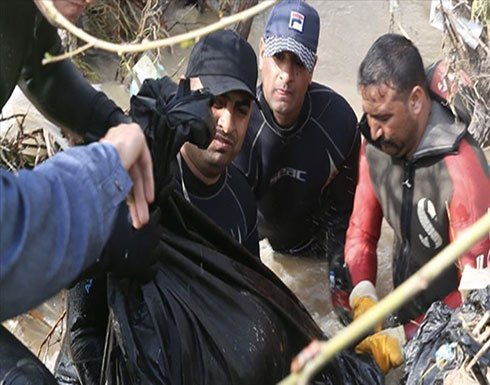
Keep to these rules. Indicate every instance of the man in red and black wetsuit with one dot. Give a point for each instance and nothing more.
(422, 172)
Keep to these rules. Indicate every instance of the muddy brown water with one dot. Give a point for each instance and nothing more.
(348, 28)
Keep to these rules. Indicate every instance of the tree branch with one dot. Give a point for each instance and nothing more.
(53, 16)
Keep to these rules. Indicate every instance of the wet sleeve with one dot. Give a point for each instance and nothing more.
(339, 199)
(62, 94)
(364, 228)
(55, 220)
(469, 174)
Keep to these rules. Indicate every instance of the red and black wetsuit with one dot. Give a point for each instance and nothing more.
(427, 201)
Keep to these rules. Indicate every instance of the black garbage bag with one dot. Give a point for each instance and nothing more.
(213, 314)
(444, 342)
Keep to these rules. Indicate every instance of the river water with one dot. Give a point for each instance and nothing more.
(348, 28)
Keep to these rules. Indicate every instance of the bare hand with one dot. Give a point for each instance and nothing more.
(130, 143)
(306, 355)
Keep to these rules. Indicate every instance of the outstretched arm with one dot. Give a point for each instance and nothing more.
(56, 218)
(61, 93)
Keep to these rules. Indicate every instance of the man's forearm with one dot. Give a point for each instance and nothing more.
(364, 229)
(55, 221)
(62, 94)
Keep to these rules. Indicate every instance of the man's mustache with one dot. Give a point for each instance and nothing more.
(227, 138)
(386, 142)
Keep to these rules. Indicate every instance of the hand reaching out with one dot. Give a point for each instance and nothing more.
(130, 143)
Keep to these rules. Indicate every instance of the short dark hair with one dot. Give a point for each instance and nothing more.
(395, 61)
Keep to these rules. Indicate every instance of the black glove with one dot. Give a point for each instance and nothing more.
(171, 116)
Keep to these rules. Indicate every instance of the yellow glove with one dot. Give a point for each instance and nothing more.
(386, 347)
(362, 298)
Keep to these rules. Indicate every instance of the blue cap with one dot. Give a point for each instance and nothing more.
(293, 26)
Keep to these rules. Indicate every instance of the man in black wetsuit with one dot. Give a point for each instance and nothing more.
(301, 150)
(207, 178)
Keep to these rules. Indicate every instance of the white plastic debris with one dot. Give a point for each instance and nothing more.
(472, 278)
(469, 30)
(144, 68)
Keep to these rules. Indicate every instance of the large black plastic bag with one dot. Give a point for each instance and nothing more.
(444, 328)
(213, 313)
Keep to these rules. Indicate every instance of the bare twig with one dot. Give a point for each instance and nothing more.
(38, 316)
(55, 17)
(179, 66)
(479, 326)
(15, 116)
(478, 355)
(67, 55)
(467, 30)
(50, 333)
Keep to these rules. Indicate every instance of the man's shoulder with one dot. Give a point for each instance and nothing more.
(327, 103)
(331, 112)
(238, 184)
(469, 157)
(237, 179)
(321, 91)
(257, 118)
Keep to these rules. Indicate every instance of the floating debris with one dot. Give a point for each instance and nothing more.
(452, 347)
(21, 148)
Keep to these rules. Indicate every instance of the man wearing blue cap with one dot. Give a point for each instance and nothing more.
(301, 150)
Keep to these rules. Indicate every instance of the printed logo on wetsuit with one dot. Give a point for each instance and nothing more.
(426, 213)
(296, 21)
(289, 172)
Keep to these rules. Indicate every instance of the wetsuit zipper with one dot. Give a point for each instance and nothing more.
(405, 219)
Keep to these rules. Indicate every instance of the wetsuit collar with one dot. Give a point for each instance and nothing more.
(442, 134)
(196, 187)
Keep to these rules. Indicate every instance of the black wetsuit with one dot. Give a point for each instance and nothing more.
(61, 93)
(304, 176)
(229, 202)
